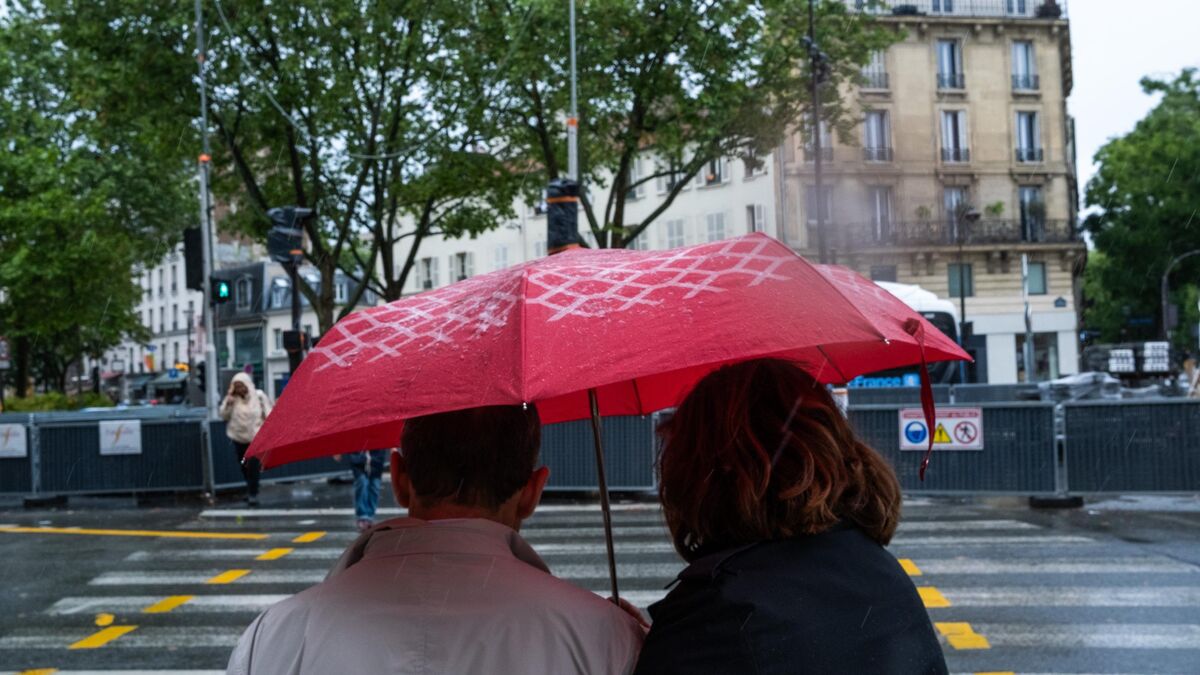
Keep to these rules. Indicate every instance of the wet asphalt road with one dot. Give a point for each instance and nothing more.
(1110, 588)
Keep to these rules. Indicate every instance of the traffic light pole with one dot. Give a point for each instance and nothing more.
(211, 392)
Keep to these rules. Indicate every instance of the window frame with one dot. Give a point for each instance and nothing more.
(952, 279)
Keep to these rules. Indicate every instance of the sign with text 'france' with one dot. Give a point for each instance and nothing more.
(955, 429)
(12, 441)
(121, 437)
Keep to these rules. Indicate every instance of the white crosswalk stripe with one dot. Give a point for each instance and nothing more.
(997, 571)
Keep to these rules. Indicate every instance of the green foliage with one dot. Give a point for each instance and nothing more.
(1147, 192)
(82, 202)
(994, 210)
(56, 400)
(685, 82)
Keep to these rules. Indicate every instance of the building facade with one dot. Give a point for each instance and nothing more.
(962, 166)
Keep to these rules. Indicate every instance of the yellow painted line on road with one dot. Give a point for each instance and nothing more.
(960, 635)
(105, 619)
(308, 537)
(910, 567)
(275, 554)
(102, 637)
(228, 577)
(39, 671)
(168, 603)
(932, 597)
(170, 534)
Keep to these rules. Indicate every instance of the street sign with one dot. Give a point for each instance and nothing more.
(954, 429)
(12, 441)
(121, 437)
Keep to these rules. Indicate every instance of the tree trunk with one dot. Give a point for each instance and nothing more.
(21, 386)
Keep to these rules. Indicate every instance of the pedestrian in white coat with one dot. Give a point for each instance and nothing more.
(452, 588)
(244, 410)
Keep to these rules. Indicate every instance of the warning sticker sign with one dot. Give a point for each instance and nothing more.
(954, 429)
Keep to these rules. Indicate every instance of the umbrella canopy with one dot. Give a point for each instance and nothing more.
(639, 327)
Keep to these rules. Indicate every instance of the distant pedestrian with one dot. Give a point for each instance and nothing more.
(244, 410)
(367, 467)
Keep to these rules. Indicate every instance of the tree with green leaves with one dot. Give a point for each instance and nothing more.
(81, 204)
(685, 83)
(370, 113)
(1147, 195)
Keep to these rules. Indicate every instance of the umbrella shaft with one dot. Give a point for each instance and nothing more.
(605, 509)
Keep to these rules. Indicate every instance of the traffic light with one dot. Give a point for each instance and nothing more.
(200, 372)
(220, 291)
(285, 240)
(193, 258)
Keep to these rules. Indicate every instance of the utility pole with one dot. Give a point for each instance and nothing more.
(562, 195)
(211, 395)
(573, 120)
(1027, 351)
(818, 65)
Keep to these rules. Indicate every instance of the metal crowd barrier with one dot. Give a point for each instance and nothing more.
(630, 448)
(1132, 446)
(891, 395)
(227, 473)
(1018, 455)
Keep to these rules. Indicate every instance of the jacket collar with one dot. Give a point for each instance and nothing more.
(412, 536)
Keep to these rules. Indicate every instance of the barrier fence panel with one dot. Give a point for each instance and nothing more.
(1133, 446)
(1018, 455)
(986, 393)
(168, 458)
(227, 473)
(629, 452)
(15, 458)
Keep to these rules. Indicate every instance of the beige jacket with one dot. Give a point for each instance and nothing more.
(245, 416)
(451, 597)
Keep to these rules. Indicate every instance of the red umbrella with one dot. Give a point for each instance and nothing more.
(588, 333)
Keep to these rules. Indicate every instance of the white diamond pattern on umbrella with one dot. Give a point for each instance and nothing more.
(585, 284)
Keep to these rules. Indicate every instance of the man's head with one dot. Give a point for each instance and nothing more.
(477, 462)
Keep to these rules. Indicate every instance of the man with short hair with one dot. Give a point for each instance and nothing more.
(452, 588)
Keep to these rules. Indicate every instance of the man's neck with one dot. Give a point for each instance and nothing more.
(455, 511)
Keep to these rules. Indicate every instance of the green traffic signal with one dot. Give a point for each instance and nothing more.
(220, 291)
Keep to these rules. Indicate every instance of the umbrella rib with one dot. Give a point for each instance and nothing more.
(835, 289)
(832, 364)
(637, 395)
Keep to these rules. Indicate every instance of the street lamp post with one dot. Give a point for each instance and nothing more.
(818, 67)
(971, 216)
(1165, 289)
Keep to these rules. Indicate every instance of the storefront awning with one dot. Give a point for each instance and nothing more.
(165, 380)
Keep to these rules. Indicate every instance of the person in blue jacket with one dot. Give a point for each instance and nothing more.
(783, 514)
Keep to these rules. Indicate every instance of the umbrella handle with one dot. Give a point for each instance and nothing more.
(605, 508)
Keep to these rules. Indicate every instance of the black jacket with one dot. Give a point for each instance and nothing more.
(836, 602)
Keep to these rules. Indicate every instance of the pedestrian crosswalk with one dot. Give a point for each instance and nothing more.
(1007, 592)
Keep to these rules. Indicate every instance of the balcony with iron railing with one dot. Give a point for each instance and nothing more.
(935, 232)
(1030, 155)
(881, 154)
(874, 79)
(951, 81)
(1025, 83)
(826, 153)
(1004, 9)
(956, 155)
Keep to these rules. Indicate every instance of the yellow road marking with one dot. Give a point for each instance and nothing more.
(102, 637)
(167, 604)
(932, 597)
(104, 619)
(960, 635)
(997, 672)
(275, 554)
(39, 671)
(176, 534)
(910, 567)
(308, 537)
(228, 576)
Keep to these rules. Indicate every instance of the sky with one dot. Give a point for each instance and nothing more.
(1114, 44)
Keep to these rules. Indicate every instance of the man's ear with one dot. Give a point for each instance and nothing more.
(401, 485)
(531, 494)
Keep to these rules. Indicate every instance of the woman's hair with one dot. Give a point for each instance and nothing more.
(759, 450)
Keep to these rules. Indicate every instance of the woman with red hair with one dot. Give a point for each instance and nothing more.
(782, 513)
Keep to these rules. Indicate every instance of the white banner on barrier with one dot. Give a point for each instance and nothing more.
(12, 441)
(955, 429)
(121, 437)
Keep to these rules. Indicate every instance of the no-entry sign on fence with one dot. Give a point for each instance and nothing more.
(955, 429)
